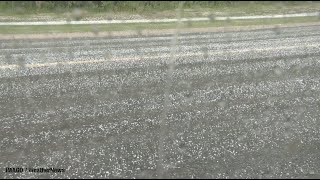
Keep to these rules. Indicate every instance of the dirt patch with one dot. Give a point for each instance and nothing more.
(148, 32)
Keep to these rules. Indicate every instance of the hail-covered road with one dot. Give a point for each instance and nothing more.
(242, 105)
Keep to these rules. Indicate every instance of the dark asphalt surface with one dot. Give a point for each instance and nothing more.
(243, 105)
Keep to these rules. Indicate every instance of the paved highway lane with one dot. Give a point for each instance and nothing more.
(243, 105)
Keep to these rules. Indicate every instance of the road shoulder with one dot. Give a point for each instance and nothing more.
(149, 32)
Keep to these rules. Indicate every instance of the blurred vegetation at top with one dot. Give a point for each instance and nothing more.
(151, 7)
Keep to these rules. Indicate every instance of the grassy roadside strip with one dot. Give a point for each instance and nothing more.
(96, 29)
(136, 10)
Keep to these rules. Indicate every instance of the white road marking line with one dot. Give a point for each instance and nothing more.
(156, 20)
(158, 56)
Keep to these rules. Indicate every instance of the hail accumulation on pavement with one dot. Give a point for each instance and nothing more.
(243, 105)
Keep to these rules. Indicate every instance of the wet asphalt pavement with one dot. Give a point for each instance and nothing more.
(243, 105)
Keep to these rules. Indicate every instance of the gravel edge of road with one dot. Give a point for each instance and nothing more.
(149, 32)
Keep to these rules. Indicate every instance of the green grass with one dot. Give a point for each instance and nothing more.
(263, 8)
(135, 26)
(166, 10)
